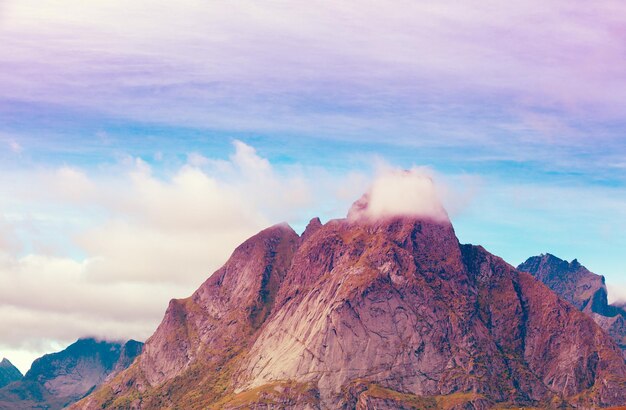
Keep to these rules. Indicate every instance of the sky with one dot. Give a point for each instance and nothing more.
(140, 142)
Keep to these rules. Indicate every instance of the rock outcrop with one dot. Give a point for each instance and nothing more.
(584, 289)
(56, 380)
(8, 373)
(362, 313)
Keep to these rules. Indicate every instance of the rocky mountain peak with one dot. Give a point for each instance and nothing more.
(571, 280)
(312, 227)
(383, 309)
(225, 310)
(584, 289)
(8, 373)
(58, 379)
(5, 363)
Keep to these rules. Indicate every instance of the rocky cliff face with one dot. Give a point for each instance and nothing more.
(357, 313)
(58, 379)
(8, 373)
(582, 288)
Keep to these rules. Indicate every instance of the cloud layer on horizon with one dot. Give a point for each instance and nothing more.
(101, 254)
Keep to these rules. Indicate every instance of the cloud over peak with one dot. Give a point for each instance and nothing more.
(400, 193)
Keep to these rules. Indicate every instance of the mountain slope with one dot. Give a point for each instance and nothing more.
(584, 289)
(58, 379)
(193, 351)
(359, 313)
(8, 373)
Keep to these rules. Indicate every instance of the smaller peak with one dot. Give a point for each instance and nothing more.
(534, 262)
(282, 229)
(312, 227)
(314, 222)
(548, 255)
(5, 362)
(281, 226)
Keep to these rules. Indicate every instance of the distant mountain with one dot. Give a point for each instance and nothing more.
(8, 373)
(59, 379)
(572, 281)
(369, 314)
(582, 288)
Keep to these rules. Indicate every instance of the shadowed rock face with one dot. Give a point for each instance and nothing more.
(572, 281)
(58, 379)
(362, 314)
(582, 288)
(8, 373)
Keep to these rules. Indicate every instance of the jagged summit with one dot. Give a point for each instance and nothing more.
(8, 373)
(584, 289)
(313, 225)
(385, 315)
(5, 363)
(58, 379)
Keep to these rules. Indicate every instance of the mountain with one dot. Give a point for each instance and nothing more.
(582, 288)
(59, 379)
(363, 313)
(8, 373)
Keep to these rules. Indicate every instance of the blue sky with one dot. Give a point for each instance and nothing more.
(134, 130)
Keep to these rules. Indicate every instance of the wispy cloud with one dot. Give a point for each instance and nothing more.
(11, 144)
(396, 192)
(417, 71)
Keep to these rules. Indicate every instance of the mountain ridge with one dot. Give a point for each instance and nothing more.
(356, 312)
(586, 290)
(56, 380)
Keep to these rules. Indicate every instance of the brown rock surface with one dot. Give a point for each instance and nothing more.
(362, 314)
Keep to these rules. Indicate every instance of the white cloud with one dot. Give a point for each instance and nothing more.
(12, 144)
(8, 240)
(401, 193)
(15, 146)
(197, 160)
(617, 292)
(72, 184)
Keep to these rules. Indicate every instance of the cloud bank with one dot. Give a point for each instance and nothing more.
(101, 253)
